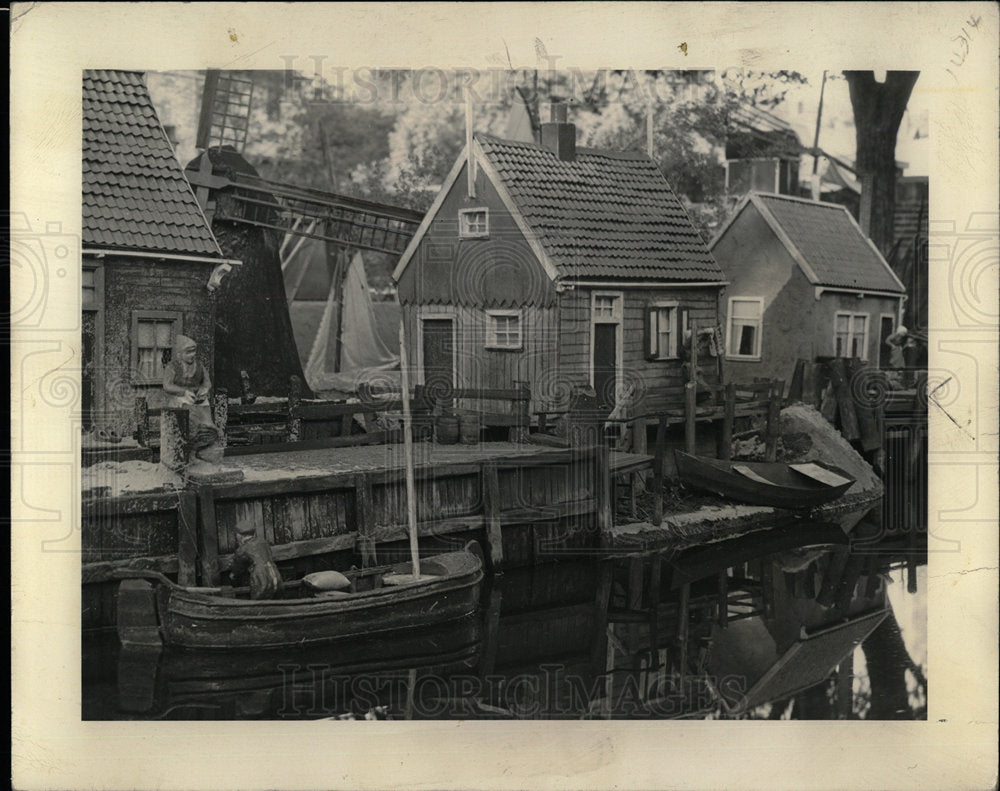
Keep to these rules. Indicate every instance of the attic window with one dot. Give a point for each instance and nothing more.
(474, 223)
(503, 329)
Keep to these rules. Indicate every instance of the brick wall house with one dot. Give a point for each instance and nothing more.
(148, 253)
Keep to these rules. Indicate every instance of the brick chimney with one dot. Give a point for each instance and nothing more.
(558, 136)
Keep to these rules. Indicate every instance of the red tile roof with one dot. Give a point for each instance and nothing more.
(606, 215)
(135, 196)
(832, 244)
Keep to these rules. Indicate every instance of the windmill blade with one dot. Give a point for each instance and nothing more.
(225, 110)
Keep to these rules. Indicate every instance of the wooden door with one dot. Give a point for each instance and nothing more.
(438, 355)
(605, 364)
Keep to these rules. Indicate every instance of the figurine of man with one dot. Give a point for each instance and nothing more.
(187, 385)
(705, 349)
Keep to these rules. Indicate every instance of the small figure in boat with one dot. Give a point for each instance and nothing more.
(186, 384)
(253, 561)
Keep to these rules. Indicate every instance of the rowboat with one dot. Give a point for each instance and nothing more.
(791, 486)
(152, 608)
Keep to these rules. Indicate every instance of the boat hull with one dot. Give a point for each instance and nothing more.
(198, 620)
(788, 489)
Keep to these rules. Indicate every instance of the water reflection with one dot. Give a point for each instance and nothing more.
(773, 624)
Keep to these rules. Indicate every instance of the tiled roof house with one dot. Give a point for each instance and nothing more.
(148, 253)
(135, 195)
(805, 282)
(556, 266)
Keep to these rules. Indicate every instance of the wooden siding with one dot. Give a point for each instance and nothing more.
(659, 383)
(477, 367)
(137, 531)
(498, 271)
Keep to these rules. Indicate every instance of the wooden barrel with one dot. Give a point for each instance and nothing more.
(469, 429)
(446, 429)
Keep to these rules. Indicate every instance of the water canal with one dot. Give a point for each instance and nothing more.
(800, 621)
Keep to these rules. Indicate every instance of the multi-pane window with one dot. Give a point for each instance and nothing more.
(607, 306)
(153, 333)
(504, 329)
(473, 223)
(745, 327)
(662, 324)
(851, 335)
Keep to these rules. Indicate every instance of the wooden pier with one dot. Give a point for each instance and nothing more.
(334, 508)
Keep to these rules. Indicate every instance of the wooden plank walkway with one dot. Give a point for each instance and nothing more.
(364, 458)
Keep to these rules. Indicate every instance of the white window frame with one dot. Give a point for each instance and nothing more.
(850, 331)
(617, 310)
(616, 318)
(491, 336)
(174, 316)
(464, 233)
(758, 337)
(654, 335)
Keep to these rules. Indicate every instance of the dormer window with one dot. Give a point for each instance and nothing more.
(474, 223)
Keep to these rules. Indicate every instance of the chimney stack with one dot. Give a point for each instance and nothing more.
(559, 136)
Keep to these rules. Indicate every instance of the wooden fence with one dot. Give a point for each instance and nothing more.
(297, 424)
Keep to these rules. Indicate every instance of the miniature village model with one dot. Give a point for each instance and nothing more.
(678, 441)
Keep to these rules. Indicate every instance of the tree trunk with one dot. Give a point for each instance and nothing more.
(878, 111)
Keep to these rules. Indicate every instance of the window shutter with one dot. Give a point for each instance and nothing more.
(647, 328)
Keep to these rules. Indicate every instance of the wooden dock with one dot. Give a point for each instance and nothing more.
(337, 507)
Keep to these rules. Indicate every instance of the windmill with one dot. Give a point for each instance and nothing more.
(341, 222)
(232, 194)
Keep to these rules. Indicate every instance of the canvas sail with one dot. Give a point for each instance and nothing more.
(364, 355)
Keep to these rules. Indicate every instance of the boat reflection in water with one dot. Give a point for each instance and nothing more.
(356, 678)
(762, 625)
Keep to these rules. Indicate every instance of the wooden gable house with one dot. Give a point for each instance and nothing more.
(557, 267)
(804, 282)
(149, 255)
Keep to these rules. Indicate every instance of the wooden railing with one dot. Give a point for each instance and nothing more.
(297, 424)
(518, 420)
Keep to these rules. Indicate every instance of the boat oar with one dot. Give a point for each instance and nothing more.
(411, 504)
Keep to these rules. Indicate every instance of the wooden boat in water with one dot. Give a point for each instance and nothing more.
(791, 486)
(152, 608)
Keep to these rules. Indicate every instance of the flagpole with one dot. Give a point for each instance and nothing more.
(411, 503)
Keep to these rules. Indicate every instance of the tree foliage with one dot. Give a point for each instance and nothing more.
(397, 139)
